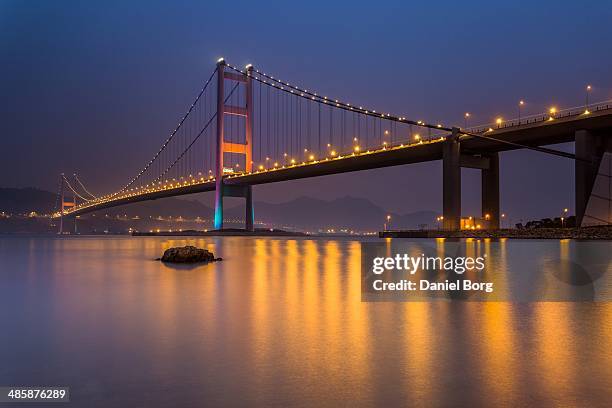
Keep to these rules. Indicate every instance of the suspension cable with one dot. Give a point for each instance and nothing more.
(304, 93)
(74, 191)
(83, 187)
(194, 140)
(171, 135)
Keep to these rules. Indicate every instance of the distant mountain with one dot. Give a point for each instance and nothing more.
(163, 207)
(306, 213)
(25, 200)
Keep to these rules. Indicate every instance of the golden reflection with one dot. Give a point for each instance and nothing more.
(555, 348)
(499, 269)
(357, 337)
(260, 306)
(440, 248)
(284, 320)
(605, 325)
(331, 297)
(419, 360)
(499, 351)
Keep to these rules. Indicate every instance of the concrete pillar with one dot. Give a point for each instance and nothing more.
(490, 191)
(589, 151)
(250, 212)
(451, 182)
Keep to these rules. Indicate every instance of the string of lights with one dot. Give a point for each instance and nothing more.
(171, 134)
(182, 154)
(304, 93)
(286, 133)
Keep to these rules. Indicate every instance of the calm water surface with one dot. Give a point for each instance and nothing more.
(277, 323)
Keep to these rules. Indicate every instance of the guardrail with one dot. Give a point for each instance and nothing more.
(543, 117)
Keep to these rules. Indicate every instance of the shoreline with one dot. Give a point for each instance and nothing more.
(584, 233)
(599, 233)
(227, 232)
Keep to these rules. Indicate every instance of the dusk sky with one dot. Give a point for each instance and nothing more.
(95, 88)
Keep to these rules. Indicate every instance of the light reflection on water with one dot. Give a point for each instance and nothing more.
(279, 323)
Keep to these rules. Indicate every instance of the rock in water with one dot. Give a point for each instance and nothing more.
(187, 254)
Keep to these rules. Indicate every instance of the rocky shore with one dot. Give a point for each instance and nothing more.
(587, 233)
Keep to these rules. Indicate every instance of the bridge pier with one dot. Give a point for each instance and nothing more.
(451, 182)
(249, 216)
(589, 150)
(245, 192)
(452, 162)
(490, 191)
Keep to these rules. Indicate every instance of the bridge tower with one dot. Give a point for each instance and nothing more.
(64, 205)
(222, 189)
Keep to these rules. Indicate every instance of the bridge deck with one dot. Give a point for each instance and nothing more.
(538, 133)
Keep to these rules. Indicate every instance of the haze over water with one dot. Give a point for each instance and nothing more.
(278, 322)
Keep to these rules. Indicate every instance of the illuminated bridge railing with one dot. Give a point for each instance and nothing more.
(142, 192)
(552, 114)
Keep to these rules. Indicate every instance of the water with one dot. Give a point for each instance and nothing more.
(277, 323)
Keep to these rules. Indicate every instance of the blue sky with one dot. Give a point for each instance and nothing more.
(96, 87)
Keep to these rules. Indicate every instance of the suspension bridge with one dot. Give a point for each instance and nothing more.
(246, 127)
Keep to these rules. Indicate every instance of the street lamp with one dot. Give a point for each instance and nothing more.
(499, 122)
(586, 106)
(520, 105)
(563, 216)
(466, 116)
(503, 216)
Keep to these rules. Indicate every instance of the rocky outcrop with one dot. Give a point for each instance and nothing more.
(188, 254)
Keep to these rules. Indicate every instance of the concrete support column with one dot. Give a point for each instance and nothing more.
(589, 151)
(249, 216)
(451, 182)
(490, 191)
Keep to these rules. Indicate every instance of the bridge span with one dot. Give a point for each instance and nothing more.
(295, 135)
